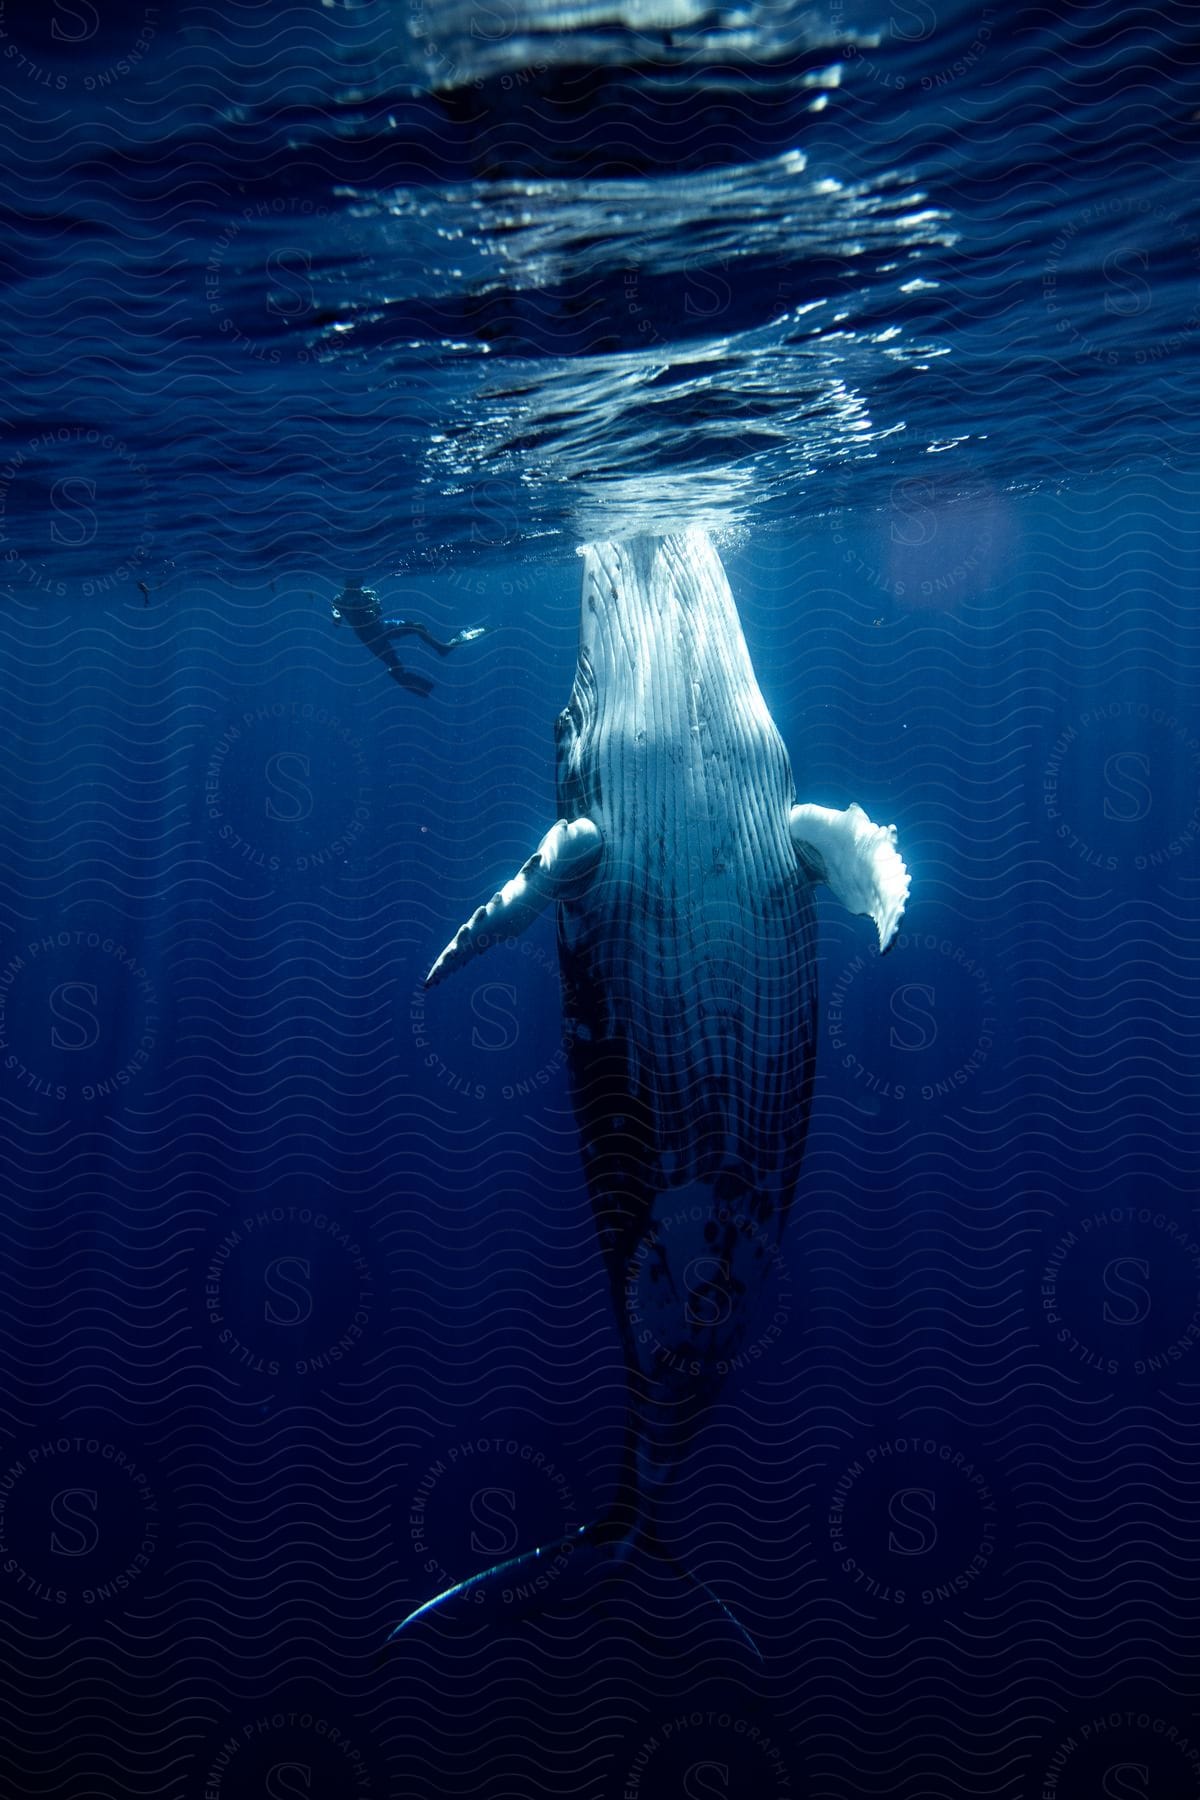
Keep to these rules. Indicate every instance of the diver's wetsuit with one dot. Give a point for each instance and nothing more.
(363, 612)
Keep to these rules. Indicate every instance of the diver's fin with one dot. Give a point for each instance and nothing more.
(408, 678)
(523, 1584)
(566, 856)
(857, 859)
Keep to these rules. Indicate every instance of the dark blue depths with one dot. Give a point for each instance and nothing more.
(302, 1314)
(304, 1317)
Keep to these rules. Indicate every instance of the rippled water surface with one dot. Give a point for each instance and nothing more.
(301, 1311)
(778, 261)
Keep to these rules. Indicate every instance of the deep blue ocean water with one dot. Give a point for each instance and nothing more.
(302, 1313)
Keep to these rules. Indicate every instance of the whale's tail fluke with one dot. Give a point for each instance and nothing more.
(689, 1576)
(522, 1585)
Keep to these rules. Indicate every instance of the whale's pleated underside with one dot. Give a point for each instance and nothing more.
(688, 965)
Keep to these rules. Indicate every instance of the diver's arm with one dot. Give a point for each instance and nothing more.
(396, 628)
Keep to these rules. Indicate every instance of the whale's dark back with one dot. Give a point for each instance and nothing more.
(688, 966)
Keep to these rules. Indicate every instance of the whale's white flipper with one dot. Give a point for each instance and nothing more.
(565, 857)
(857, 859)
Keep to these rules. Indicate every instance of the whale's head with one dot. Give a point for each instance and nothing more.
(659, 631)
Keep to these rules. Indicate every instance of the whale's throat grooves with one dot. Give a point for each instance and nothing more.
(688, 971)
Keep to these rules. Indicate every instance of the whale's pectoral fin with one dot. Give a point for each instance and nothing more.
(857, 859)
(562, 861)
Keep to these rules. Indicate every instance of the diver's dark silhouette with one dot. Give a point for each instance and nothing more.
(363, 612)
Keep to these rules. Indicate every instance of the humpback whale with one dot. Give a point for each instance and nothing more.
(682, 872)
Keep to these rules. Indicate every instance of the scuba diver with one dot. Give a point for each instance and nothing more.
(363, 612)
